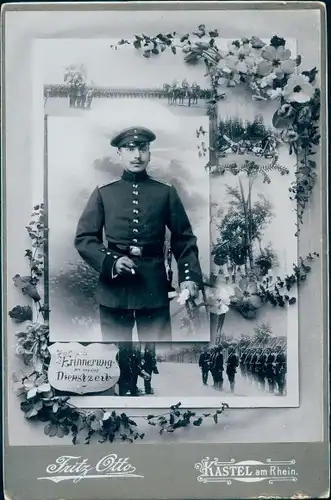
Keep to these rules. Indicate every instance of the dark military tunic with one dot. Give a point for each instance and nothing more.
(135, 211)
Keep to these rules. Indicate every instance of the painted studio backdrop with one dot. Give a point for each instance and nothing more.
(79, 158)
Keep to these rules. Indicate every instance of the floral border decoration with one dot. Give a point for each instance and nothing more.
(39, 401)
(269, 73)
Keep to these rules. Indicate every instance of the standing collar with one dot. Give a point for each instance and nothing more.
(134, 177)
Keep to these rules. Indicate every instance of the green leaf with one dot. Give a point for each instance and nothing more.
(55, 407)
(52, 430)
(173, 49)
(215, 417)
(150, 416)
(65, 430)
(197, 422)
(172, 419)
(312, 164)
(280, 122)
(60, 432)
(47, 429)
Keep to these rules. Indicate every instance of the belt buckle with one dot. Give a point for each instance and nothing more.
(136, 251)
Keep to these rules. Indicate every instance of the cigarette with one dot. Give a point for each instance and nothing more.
(133, 271)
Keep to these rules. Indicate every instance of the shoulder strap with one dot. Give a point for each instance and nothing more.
(161, 182)
(108, 183)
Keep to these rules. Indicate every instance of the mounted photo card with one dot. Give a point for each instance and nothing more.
(165, 250)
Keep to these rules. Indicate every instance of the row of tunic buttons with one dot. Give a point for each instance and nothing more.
(187, 272)
(135, 211)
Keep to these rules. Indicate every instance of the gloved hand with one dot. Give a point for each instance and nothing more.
(191, 287)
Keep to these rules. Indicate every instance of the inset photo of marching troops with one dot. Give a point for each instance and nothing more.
(246, 367)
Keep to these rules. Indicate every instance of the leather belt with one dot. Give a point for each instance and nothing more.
(138, 251)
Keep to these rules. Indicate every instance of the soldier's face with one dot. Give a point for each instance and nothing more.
(135, 158)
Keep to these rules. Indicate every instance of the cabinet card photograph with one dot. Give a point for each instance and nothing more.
(164, 230)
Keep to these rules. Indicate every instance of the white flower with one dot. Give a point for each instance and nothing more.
(298, 89)
(220, 300)
(183, 297)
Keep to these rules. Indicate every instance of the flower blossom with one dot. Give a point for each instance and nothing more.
(277, 61)
(219, 300)
(33, 385)
(298, 89)
(240, 58)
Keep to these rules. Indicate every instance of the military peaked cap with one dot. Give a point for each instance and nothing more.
(132, 136)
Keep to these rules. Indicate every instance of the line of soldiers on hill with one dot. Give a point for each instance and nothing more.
(212, 360)
(266, 367)
(133, 363)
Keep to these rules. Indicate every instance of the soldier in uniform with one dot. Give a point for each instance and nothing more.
(242, 363)
(270, 369)
(204, 364)
(150, 367)
(253, 365)
(280, 370)
(126, 382)
(89, 97)
(231, 367)
(261, 368)
(217, 367)
(129, 360)
(133, 212)
(248, 358)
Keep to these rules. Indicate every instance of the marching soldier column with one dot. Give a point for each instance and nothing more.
(265, 367)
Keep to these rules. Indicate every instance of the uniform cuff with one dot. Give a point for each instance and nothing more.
(189, 275)
(107, 272)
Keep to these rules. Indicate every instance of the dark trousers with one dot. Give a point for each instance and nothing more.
(271, 381)
(127, 383)
(280, 380)
(152, 324)
(218, 378)
(231, 378)
(205, 375)
(148, 383)
(261, 378)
